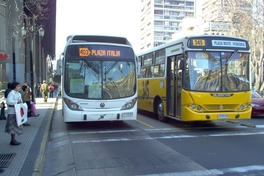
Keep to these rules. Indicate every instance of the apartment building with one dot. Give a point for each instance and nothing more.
(161, 18)
(222, 15)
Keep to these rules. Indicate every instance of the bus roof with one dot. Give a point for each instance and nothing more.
(185, 37)
(97, 38)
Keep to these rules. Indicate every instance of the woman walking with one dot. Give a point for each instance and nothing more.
(14, 97)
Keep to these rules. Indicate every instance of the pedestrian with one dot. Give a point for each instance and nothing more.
(26, 99)
(14, 97)
(51, 90)
(44, 90)
(38, 90)
(30, 90)
(56, 88)
(9, 88)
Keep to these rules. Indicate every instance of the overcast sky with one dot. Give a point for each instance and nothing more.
(102, 17)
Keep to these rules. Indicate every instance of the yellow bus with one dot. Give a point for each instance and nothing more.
(196, 78)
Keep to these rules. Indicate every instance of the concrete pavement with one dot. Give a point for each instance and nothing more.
(27, 158)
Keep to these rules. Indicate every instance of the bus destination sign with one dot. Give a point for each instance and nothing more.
(229, 43)
(85, 52)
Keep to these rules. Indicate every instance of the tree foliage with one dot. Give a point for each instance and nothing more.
(36, 10)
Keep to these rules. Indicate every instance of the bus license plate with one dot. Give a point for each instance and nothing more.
(222, 116)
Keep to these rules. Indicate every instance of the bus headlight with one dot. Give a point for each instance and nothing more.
(246, 105)
(72, 105)
(192, 106)
(241, 107)
(130, 104)
(199, 108)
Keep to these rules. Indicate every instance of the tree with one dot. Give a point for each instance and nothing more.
(247, 21)
(28, 10)
(36, 10)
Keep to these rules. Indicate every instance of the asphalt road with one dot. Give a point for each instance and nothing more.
(150, 147)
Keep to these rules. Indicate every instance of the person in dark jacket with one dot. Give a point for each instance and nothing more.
(9, 88)
(26, 99)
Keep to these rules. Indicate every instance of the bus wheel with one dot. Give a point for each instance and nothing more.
(160, 112)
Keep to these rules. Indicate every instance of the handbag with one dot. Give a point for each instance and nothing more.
(33, 109)
(21, 110)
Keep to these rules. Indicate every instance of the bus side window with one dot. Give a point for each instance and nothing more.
(148, 72)
(142, 72)
(158, 70)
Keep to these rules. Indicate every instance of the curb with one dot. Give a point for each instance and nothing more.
(38, 168)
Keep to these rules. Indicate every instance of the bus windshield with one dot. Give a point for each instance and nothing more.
(217, 71)
(93, 79)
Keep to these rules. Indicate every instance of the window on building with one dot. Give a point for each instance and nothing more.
(157, 23)
(189, 3)
(160, 12)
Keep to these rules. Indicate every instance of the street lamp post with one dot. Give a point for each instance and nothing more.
(33, 30)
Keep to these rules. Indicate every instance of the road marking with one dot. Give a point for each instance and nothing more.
(259, 126)
(145, 124)
(248, 124)
(134, 138)
(211, 172)
(107, 131)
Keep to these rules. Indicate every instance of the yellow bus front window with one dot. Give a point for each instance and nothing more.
(217, 71)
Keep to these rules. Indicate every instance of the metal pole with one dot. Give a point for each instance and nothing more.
(14, 59)
(32, 67)
(39, 61)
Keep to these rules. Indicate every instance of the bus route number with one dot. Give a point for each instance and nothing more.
(198, 42)
(84, 52)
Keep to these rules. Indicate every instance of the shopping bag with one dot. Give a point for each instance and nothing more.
(21, 113)
(33, 109)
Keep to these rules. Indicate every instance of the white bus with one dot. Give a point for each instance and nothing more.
(99, 81)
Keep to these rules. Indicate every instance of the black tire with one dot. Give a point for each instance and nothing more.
(160, 112)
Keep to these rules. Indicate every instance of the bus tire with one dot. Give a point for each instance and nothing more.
(160, 111)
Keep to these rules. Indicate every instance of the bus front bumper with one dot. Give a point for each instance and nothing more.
(189, 115)
(82, 116)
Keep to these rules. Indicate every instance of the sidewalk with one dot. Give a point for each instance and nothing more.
(27, 158)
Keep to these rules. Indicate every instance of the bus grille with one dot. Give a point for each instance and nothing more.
(219, 107)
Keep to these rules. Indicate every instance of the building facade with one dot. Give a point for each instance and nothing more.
(3, 50)
(17, 52)
(161, 18)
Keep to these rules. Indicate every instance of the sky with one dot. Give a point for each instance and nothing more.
(98, 17)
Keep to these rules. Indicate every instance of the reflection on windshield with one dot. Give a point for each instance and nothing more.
(100, 79)
(217, 71)
(255, 95)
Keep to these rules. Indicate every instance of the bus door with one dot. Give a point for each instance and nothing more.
(174, 85)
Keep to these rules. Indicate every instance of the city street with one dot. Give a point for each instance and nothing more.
(150, 147)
